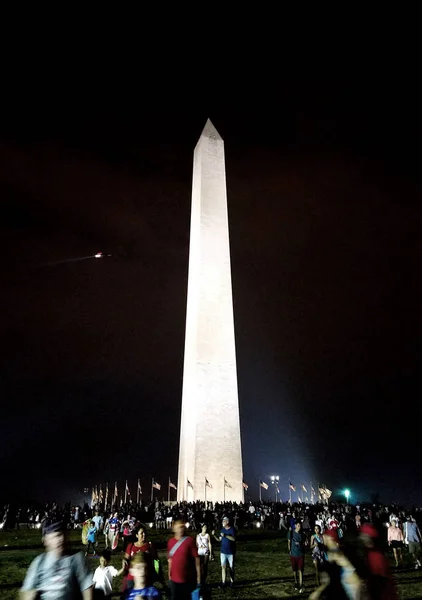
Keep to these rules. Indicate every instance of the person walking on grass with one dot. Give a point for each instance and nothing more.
(91, 538)
(413, 539)
(184, 565)
(227, 538)
(395, 541)
(203, 543)
(317, 549)
(296, 546)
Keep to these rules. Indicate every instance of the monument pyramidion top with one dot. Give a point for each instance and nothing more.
(210, 131)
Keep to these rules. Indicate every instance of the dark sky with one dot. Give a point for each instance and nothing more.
(324, 192)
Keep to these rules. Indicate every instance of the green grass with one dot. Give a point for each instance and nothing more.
(262, 565)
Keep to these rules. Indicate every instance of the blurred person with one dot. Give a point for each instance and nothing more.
(296, 546)
(227, 538)
(203, 543)
(333, 522)
(183, 563)
(56, 574)
(320, 522)
(139, 573)
(339, 580)
(379, 581)
(104, 574)
(282, 522)
(395, 540)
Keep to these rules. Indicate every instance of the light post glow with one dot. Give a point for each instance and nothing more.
(274, 480)
(347, 495)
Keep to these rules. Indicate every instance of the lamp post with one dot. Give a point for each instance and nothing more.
(274, 480)
(347, 495)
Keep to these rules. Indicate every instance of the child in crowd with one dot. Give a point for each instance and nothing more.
(138, 569)
(103, 576)
(91, 537)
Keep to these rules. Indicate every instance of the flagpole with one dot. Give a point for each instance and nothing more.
(260, 491)
(290, 494)
(152, 489)
(126, 492)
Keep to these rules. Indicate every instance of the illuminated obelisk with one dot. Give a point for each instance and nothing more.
(210, 449)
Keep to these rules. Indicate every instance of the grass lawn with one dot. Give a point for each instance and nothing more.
(262, 566)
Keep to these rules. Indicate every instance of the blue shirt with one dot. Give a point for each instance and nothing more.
(91, 534)
(227, 546)
(412, 534)
(148, 592)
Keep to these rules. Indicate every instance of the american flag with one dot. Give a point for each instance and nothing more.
(263, 485)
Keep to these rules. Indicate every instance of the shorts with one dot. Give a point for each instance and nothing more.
(297, 563)
(226, 559)
(414, 547)
(396, 544)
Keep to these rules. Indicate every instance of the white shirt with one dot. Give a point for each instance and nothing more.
(202, 542)
(103, 578)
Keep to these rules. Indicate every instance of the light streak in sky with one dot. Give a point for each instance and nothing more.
(76, 259)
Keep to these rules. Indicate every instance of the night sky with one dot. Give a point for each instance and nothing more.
(324, 190)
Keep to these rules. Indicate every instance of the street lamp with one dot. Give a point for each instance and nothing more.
(347, 494)
(274, 480)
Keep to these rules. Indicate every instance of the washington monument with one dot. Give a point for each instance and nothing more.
(210, 458)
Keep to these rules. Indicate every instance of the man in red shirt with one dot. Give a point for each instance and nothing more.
(184, 565)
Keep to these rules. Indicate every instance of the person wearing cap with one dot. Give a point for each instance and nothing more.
(56, 574)
(227, 538)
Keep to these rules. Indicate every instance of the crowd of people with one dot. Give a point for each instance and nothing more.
(325, 533)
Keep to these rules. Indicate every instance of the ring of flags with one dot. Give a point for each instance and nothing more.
(98, 496)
